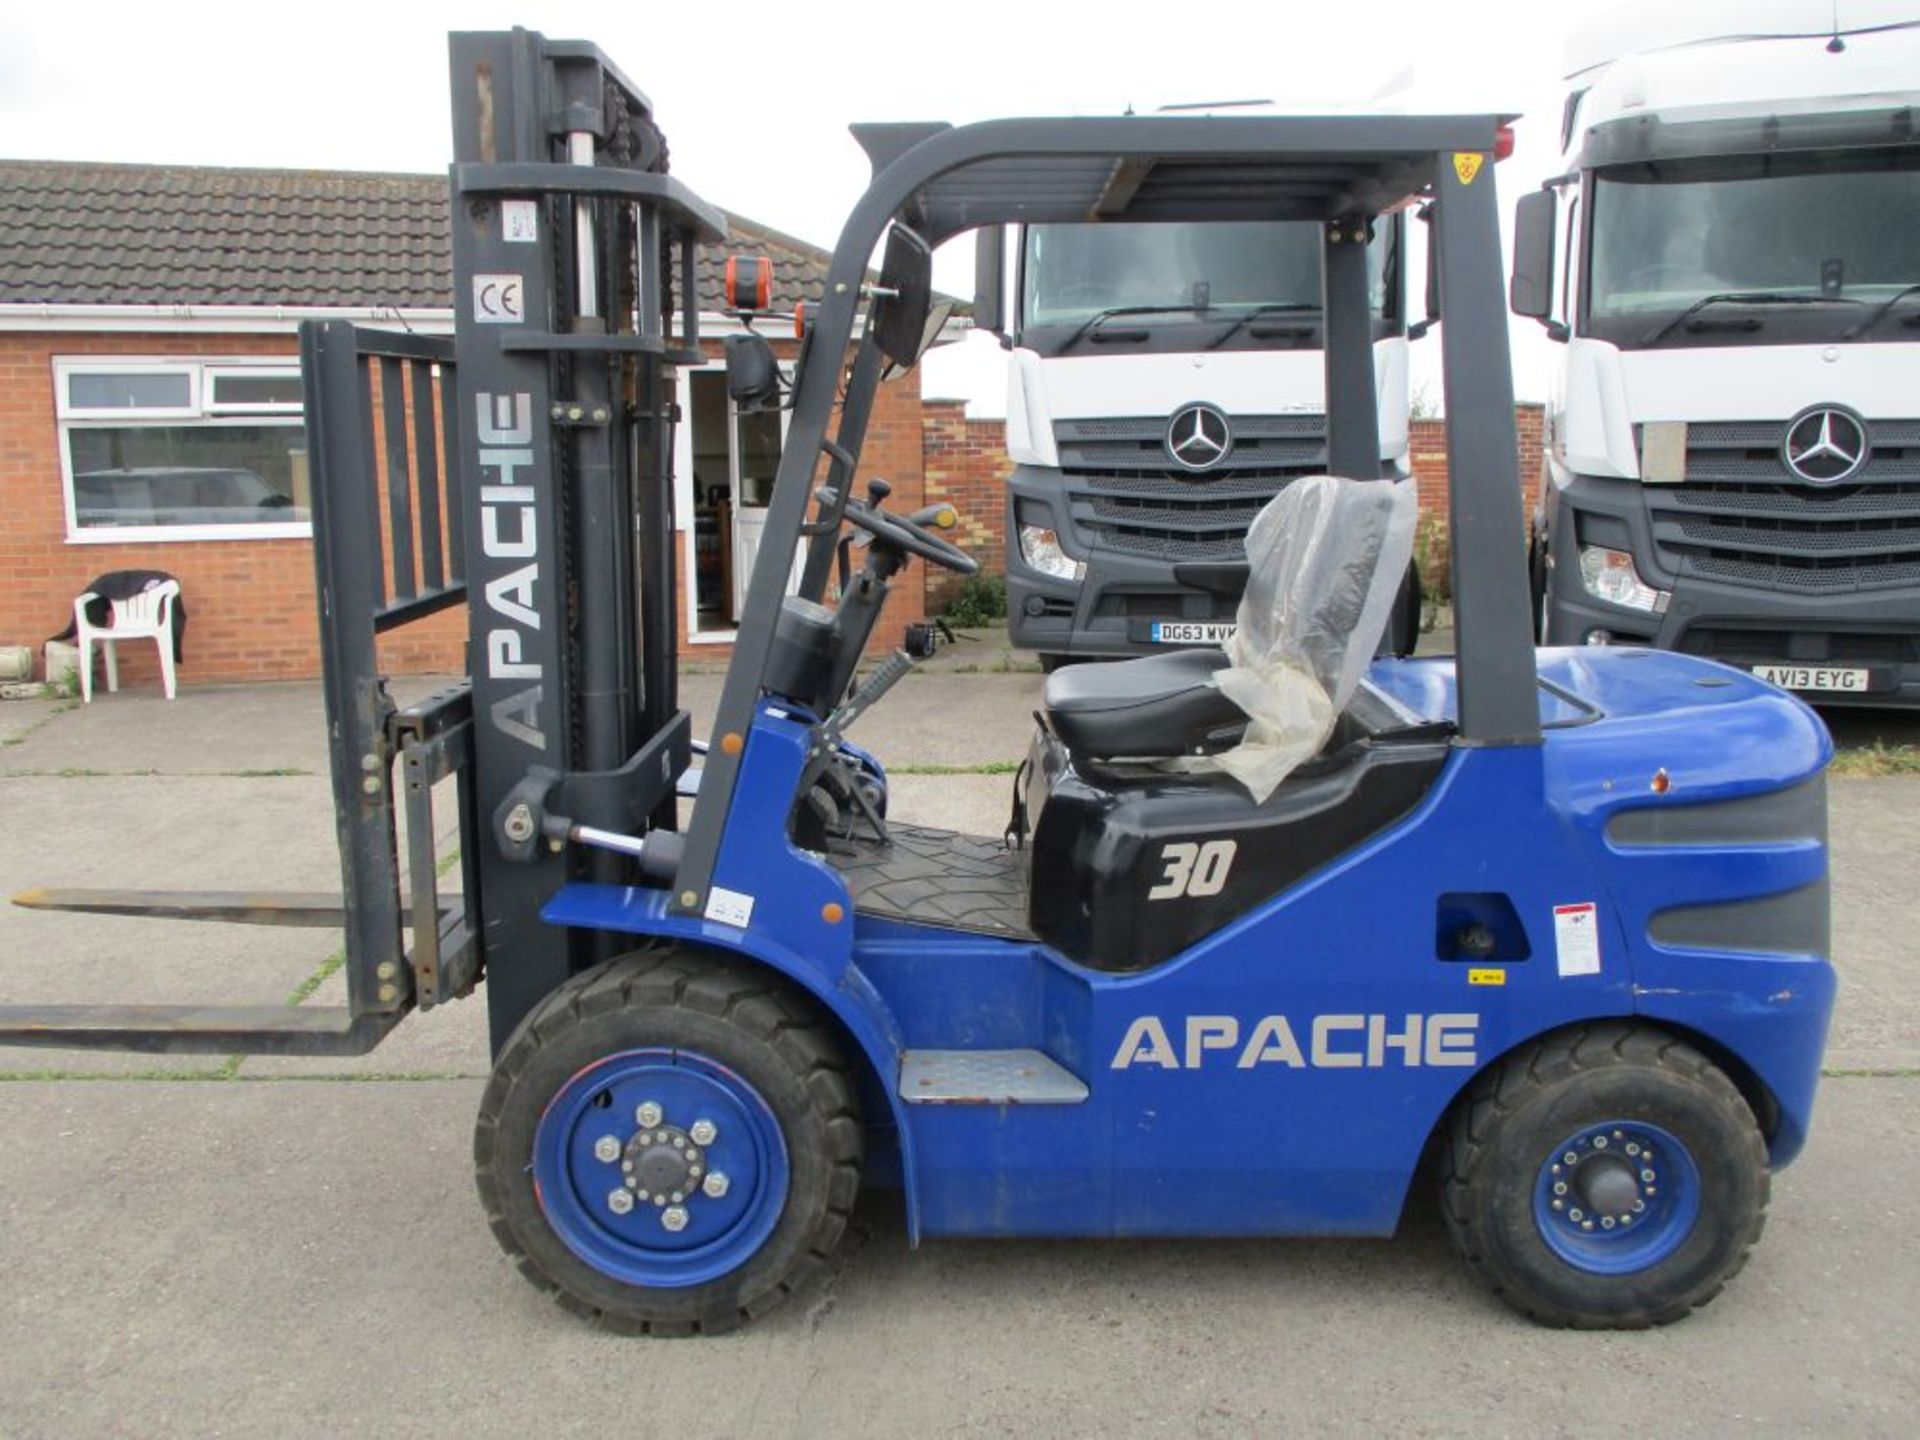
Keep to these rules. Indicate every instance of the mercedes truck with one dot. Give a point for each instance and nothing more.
(1165, 380)
(1730, 262)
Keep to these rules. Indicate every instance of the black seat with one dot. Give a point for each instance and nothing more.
(1155, 706)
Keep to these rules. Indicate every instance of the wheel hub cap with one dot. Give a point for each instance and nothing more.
(630, 1191)
(1617, 1197)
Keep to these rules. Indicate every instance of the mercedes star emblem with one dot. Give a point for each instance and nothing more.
(1825, 445)
(1198, 437)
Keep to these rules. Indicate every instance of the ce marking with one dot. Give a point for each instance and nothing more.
(497, 299)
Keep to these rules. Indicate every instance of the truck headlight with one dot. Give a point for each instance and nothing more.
(1609, 575)
(1040, 548)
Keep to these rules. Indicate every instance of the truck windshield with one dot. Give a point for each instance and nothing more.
(1072, 272)
(1824, 227)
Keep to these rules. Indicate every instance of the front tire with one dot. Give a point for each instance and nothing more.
(1606, 1178)
(670, 1144)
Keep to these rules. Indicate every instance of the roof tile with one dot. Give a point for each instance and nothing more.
(80, 233)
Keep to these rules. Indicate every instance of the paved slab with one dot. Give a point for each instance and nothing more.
(294, 1258)
(20, 718)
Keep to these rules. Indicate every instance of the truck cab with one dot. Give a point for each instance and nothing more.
(1733, 417)
(1165, 382)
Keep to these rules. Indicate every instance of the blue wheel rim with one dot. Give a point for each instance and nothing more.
(592, 1146)
(1632, 1227)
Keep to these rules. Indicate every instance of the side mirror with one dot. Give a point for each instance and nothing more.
(905, 292)
(1530, 292)
(936, 322)
(990, 279)
(753, 375)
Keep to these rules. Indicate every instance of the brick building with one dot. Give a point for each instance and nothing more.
(150, 408)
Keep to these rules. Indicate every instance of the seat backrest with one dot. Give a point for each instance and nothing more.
(148, 610)
(1325, 559)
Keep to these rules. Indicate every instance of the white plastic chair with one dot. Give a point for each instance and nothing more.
(147, 616)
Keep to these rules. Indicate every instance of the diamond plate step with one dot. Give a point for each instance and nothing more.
(987, 1077)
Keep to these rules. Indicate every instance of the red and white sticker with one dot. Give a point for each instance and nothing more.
(1576, 939)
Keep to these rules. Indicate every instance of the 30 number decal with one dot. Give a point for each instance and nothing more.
(1196, 870)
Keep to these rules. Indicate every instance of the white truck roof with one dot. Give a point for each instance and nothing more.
(1639, 27)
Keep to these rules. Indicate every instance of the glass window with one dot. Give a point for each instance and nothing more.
(1072, 271)
(255, 390)
(130, 390)
(184, 451)
(1835, 229)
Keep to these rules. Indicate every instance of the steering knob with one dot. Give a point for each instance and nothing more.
(877, 490)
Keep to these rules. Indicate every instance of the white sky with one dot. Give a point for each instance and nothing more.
(346, 84)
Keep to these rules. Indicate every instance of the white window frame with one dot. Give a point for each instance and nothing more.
(202, 414)
(216, 373)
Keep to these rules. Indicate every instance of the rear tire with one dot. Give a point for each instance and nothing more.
(1546, 1187)
(711, 1042)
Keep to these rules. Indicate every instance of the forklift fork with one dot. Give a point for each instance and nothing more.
(387, 553)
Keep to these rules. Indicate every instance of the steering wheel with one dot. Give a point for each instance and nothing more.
(904, 534)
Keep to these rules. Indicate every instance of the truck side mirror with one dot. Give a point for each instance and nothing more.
(903, 296)
(753, 375)
(990, 280)
(1530, 292)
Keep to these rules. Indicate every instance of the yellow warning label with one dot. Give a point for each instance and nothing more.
(1466, 164)
(1486, 977)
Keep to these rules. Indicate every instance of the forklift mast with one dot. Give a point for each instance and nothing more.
(523, 468)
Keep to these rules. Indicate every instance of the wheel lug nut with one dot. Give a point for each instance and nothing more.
(1632, 1149)
(1648, 1176)
(1638, 1206)
(648, 1114)
(1571, 1158)
(1559, 1187)
(1575, 1214)
(1586, 1224)
(715, 1184)
(606, 1149)
(619, 1201)
(702, 1132)
(1599, 1142)
(1606, 1222)
(674, 1218)
(1559, 1204)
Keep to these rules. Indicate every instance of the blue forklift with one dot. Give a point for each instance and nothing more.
(1550, 928)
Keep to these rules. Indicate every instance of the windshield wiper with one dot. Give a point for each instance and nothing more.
(1290, 307)
(1741, 297)
(1881, 311)
(1100, 317)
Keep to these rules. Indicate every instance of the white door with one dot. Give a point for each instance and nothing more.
(754, 458)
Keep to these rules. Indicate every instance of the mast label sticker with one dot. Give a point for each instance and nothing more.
(1576, 939)
(497, 299)
(520, 222)
(1466, 164)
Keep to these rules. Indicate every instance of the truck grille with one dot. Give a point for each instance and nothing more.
(1743, 517)
(1126, 496)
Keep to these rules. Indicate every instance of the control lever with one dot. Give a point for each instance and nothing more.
(877, 491)
(882, 680)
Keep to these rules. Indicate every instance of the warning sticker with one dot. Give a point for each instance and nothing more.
(497, 299)
(1466, 164)
(729, 907)
(1576, 939)
(520, 221)
(1486, 977)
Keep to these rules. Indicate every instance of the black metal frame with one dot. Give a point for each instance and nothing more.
(552, 431)
(1342, 172)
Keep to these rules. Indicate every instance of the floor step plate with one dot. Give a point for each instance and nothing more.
(987, 1077)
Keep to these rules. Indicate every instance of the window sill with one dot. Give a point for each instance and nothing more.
(175, 534)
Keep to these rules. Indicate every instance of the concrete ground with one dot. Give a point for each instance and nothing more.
(209, 1246)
